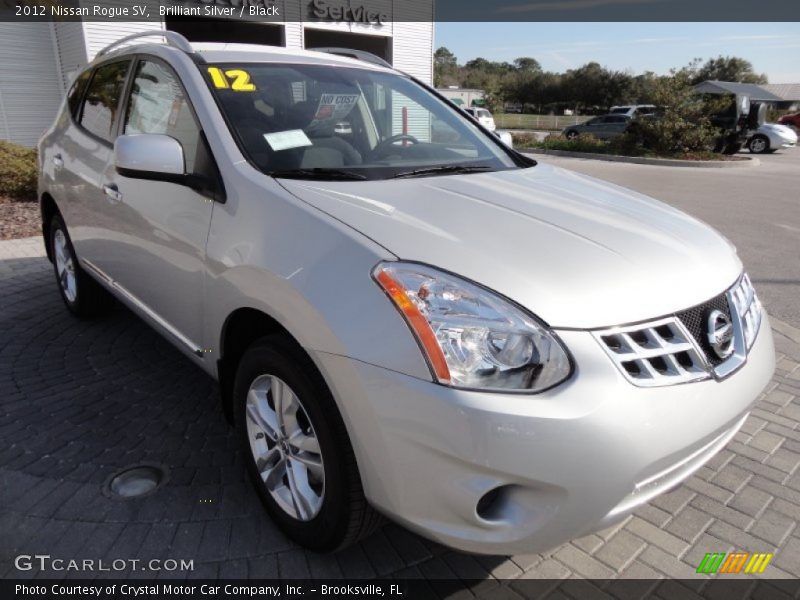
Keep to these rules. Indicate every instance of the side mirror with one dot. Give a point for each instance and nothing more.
(150, 156)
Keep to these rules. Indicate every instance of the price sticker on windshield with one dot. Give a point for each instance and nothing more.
(237, 80)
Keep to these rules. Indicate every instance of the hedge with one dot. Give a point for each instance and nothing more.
(17, 171)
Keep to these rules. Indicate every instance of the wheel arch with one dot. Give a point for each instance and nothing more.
(241, 329)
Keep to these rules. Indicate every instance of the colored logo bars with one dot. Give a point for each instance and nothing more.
(736, 562)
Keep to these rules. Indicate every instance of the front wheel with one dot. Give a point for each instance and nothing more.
(296, 448)
(758, 144)
(571, 134)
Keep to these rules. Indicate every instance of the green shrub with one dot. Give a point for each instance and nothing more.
(17, 171)
(523, 140)
(582, 143)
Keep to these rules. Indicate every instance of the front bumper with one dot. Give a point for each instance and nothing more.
(781, 141)
(567, 462)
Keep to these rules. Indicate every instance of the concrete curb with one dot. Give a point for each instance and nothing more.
(660, 162)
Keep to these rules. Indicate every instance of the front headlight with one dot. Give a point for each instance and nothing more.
(471, 337)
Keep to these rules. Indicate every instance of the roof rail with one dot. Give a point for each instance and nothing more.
(362, 55)
(172, 38)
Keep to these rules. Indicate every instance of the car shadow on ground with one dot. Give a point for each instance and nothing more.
(81, 400)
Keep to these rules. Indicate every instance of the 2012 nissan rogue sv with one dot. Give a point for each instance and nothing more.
(405, 316)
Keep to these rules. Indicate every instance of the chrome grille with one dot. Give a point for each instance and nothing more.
(696, 322)
(748, 308)
(676, 349)
(657, 353)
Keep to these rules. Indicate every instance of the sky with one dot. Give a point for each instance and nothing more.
(773, 48)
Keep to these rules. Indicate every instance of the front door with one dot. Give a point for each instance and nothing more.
(162, 227)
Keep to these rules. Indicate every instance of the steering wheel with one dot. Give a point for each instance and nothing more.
(393, 140)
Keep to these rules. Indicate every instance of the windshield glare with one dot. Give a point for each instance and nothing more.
(374, 124)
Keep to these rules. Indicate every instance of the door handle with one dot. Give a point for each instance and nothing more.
(112, 192)
(58, 162)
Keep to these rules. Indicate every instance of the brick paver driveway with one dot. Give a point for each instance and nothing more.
(79, 400)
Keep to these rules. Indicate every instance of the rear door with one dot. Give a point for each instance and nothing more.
(161, 228)
(615, 125)
(83, 157)
(594, 127)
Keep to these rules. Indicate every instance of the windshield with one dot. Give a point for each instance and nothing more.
(329, 122)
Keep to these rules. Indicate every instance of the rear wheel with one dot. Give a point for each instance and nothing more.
(758, 144)
(297, 451)
(83, 296)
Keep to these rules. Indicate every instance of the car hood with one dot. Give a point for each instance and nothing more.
(777, 128)
(576, 251)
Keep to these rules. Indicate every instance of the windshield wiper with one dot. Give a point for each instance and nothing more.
(318, 173)
(456, 169)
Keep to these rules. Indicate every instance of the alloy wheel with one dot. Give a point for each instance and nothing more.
(285, 447)
(758, 145)
(65, 266)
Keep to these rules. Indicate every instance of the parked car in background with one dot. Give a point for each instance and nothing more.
(633, 110)
(770, 137)
(791, 120)
(604, 127)
(505, 137)
(482, 116)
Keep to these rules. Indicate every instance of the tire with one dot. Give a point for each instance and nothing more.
(321, 507)
(758, 144)
(83, 296)
(571, 134)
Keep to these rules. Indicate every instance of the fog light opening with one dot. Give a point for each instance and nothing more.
(490, 504)
(136, 481)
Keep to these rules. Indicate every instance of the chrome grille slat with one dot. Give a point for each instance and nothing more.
(666, 352)
(635, 359)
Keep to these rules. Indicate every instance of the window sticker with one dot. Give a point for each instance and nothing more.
(237, 80)
(284, 140)
(334, 107)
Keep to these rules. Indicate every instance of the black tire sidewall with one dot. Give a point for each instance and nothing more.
(276, 357)
(56, 224)
(755, 138)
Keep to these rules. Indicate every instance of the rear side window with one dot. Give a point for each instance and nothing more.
(76, 93)
(158, 105)
(103, 99)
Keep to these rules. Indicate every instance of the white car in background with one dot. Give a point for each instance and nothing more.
(632, 110)
(482, 116)
(770, 137)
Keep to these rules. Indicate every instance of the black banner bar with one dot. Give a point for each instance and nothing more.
(379, 12)
(742, 588)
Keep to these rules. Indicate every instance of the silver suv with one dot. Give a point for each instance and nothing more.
(405, 316)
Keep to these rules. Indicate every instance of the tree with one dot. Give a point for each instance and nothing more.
(528, 65)
(683, 126)
(727, 68)
(445, 67)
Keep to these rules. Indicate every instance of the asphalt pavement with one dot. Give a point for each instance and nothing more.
(757, 208)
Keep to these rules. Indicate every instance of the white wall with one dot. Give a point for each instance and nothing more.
(30, 82)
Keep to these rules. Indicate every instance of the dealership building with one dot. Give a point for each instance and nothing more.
(40, 58)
